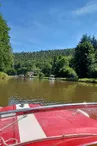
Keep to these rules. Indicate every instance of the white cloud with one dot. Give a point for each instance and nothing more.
(88, 8)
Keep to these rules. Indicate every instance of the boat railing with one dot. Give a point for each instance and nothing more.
(25, 111)
(60, 137)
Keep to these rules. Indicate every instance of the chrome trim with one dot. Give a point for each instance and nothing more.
(92, 143)
(59, 137)
(50, 108)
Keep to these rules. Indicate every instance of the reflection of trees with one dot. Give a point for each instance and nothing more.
(57, 92)
(60, 91)
(93, 97)
(84, 92)
(51, 82)
(4, 94)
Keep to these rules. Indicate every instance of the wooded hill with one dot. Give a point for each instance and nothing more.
(40, 56)
(70, 63)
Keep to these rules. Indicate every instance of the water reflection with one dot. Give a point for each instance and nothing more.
(19, 100)
(48, 90)
(51, 82)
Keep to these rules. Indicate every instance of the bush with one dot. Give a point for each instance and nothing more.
(41, 75)
(36, 71)
(68, 72)
(93, 72)
(46, 69)
(22, 71)
(3, 76)
(12, 71)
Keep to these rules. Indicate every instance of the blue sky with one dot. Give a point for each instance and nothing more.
(49, 24)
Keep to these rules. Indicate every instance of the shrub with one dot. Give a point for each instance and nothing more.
(68, 72)
(3, 76)
(12, 71)
(41, 75)
(93, 72)
(46, 69)
(22, 70)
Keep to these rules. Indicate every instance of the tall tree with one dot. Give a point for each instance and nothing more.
(83, 58)
(6, 56)
(94, 42)
(85, 38)
(47, 68)
(88, 38)
(58, 63)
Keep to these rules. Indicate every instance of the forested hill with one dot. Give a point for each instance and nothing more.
(80, 62)
(43, 56)
(69, 63)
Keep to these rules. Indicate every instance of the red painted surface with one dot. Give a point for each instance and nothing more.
(66, 142)
(11, 131)
(53, 123)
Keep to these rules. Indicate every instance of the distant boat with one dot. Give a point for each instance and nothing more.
(21, 76)
(30, 74)
(51, 77)
(53, 125)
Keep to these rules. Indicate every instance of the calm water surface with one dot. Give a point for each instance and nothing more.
(15, 90)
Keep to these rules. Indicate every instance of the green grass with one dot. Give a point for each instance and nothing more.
(88, 80)
(67, 79)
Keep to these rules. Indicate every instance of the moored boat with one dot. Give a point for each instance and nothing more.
(51, 77)
(55, 125)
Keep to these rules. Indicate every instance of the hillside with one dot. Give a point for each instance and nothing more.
(41, 56)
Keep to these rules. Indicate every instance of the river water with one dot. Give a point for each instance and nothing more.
(46, 91)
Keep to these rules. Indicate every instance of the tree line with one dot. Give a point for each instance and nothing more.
(38, 61)
(78, 62)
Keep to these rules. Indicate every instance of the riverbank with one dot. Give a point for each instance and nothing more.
(86, 80)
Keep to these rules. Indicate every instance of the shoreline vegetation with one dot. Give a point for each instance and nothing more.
(85, 80)
(3, 76)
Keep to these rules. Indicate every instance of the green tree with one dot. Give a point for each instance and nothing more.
(93, 71)
(94, 42)
(84, 57)
(6, 56)
(58, 63)
(85, 38)
(36, 71)
(12, 71)
(46, 70)
(68, 72)
(41, 75)
(22, 71)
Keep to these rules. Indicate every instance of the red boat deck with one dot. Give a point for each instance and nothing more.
(59, 127)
